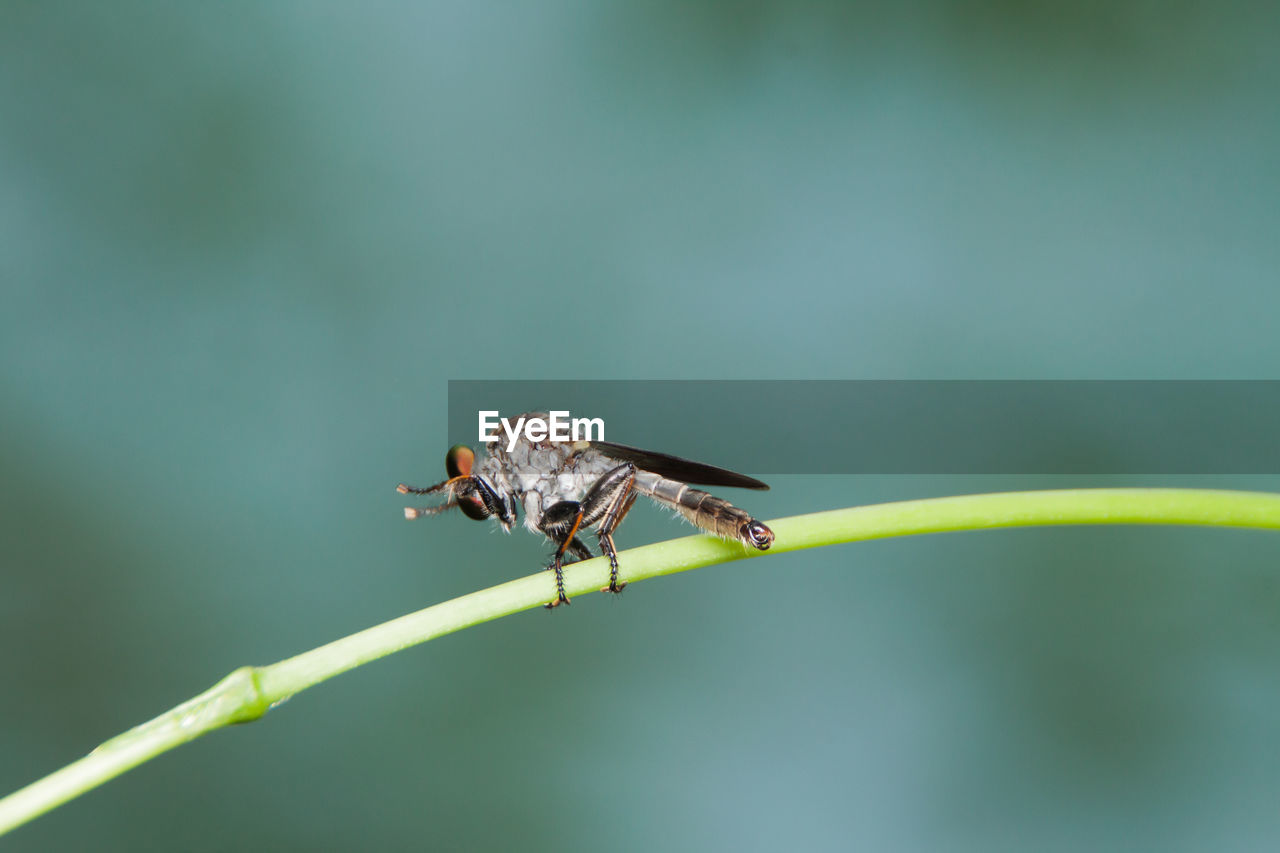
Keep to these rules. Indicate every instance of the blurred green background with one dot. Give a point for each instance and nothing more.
(244, 246)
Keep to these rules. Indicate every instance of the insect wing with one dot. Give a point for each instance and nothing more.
(675, 468)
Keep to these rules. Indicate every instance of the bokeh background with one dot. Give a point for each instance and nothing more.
(244, 246)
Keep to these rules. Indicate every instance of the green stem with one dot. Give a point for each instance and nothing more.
(249, 692)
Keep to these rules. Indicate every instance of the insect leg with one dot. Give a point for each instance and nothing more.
(560, 522)
(607, 503)
(418, 512)
(606, 544)
(412, 512)
(579, 549)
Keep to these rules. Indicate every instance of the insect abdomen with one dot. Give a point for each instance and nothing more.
(704, 510)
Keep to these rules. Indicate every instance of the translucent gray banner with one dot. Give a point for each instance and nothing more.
(914, 427)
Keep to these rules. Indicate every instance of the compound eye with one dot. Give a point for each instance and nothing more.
(472, 506)
(459, 461)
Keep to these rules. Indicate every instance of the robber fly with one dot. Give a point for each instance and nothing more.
(566, 488)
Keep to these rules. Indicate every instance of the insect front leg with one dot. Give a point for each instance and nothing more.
(560, 522)
(607, 504)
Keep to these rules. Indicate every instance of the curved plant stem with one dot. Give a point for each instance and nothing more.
(248, 692)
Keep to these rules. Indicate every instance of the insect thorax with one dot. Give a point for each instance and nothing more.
(542, 473)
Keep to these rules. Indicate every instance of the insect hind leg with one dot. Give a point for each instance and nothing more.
(607, 504)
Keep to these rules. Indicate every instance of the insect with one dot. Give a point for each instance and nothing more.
(567, 488)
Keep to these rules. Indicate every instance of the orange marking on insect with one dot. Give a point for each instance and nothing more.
(573, 531)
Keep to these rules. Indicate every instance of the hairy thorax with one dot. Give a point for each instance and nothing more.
(542, 473)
